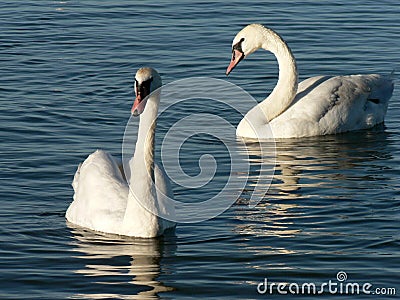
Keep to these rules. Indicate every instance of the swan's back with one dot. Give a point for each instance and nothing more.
(329, 105)
(100, 195)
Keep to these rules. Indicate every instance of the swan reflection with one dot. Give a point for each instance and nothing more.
(309, 173)
(337, 161)
(110, 258)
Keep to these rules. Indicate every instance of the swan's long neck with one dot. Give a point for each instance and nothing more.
(144, 150)
(141, 210)
(286, 88)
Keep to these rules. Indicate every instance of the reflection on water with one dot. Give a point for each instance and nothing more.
(110, 258)
(310, 174)
(328, 162)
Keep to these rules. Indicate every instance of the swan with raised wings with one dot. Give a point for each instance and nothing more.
(103, 200)
(317, 106)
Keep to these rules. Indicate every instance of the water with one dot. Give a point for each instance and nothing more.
(66, 86)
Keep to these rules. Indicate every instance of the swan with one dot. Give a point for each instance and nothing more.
(103, 200)
(317, 106)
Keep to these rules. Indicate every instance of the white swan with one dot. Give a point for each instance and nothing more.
(103, 200)
(318, 105)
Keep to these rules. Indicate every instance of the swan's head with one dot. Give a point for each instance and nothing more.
(147, 80)
(248, 40)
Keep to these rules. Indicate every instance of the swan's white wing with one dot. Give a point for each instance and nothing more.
(101, 193)
(326, 105)
(165, 195)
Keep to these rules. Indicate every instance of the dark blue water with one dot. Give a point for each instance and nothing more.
(66, 85)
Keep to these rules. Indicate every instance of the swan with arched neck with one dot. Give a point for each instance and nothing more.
(316, 106)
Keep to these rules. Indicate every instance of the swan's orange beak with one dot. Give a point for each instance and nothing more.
(138, 105)
(237, 56)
